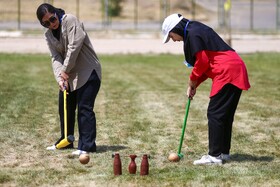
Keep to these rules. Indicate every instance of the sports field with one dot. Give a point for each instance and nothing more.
(140, 110)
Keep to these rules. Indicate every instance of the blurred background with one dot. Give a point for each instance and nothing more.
(258, 16)
(134, 26)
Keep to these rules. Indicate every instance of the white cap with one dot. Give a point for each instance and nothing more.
(169, 23)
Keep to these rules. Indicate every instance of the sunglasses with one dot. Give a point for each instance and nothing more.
(52, 19)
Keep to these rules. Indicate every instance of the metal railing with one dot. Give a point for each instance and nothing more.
(244, 15)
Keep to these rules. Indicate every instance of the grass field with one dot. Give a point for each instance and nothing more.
(140, 110)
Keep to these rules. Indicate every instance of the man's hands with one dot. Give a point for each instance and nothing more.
(63, 84)
(191, 90)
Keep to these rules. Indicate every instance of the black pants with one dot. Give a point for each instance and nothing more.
(220, 115)
(83, 99)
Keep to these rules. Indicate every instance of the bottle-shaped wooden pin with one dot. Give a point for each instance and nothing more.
(144, 168)
(117, 164)
(132, 166)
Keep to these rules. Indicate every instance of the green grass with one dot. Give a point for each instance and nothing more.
(139, 110)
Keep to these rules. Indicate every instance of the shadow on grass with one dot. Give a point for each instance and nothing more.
(246, 157)
(111, 148)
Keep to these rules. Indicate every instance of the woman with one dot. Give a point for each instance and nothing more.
(212, 58)
(76, 69)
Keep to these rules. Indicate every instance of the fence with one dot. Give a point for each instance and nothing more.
(245, 15)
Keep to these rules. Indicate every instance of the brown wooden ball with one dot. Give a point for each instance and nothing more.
(173, 157)
(84, 158)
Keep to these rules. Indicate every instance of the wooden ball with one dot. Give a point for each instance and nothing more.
(84, 158)
(173, 157)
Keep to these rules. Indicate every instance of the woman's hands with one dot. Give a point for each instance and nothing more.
(191, 90)
(63, 84)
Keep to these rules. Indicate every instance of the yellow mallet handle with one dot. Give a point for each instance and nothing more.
(65, 113)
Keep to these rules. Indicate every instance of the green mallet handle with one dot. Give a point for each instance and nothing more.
(184, 126)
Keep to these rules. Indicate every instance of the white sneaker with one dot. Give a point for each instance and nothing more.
(207, 160)
(79, 152)
(225, 157)
(51, 148)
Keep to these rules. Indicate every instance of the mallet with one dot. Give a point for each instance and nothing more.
(67, 139)
(184, 127)
(173, 157)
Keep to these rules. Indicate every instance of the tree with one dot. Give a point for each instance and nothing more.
(113, 7)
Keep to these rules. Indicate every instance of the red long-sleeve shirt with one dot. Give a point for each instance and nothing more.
(222, 67)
